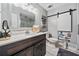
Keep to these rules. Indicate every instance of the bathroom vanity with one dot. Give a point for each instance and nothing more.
(24, 45)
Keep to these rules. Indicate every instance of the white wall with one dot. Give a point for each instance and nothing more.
(66, 7)
(41, 12)
(77, 25)
(5, 13)
(0, 16)
(52, 26)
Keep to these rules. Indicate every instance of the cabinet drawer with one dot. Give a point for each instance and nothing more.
(14, 48)
(25, 52)
(39, 38)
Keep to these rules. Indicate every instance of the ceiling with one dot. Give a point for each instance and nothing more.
(49, 6)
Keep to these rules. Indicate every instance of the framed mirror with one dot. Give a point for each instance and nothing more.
(22, 20)
(26, 21)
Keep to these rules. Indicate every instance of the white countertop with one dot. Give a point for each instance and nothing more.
(19, 37)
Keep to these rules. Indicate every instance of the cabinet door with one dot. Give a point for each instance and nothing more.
(43, 49)
(39, 49)
(26, 52)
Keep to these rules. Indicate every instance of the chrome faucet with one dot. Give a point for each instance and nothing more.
(5, 27)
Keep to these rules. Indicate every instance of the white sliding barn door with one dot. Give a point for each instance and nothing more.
(64, 22)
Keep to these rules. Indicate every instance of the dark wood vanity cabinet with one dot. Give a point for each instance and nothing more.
(34, 46)
(39, 49)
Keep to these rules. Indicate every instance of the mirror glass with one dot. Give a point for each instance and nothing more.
(26, 21)
(21, 18)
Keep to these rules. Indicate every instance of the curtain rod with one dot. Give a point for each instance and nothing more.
(70, 10)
